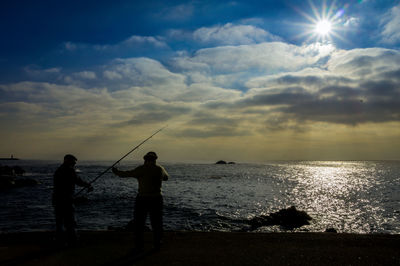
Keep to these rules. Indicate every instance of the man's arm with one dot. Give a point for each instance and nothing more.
(164, 174)
(123, 173)
(82, 183)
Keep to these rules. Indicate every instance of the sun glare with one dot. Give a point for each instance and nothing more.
(323, 27)
(325, 22)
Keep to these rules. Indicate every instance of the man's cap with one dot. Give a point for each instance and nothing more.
(70, 157)
(150, 156)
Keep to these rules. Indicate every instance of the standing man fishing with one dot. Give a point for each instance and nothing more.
(65, 179)
(149, 199)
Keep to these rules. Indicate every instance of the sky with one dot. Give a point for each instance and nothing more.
(243, 81)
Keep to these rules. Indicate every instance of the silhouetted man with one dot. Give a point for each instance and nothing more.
(65, 179)
(149, 199)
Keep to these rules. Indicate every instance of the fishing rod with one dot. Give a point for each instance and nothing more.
(105, 171)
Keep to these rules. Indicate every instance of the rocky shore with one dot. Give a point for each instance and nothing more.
(203, 248)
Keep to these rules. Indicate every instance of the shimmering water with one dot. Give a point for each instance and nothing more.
(351, 196)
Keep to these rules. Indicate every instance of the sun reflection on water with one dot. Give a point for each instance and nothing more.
(338, 194)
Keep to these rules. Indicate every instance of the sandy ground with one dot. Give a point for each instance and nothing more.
(200, 248)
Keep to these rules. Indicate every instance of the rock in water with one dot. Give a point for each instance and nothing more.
(7, 171)
(330, 230)
(11, 177)
(220, 162)
(6, 182)
(289, 218)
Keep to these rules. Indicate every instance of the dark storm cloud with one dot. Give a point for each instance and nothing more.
(291, 79)
(281, 97)
(394, 74)
(310, 80)
(359, 101)
(381, 89)
(270, 97)
(373, 101)
(341, 91)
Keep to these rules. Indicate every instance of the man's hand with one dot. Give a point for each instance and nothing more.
(115, 171)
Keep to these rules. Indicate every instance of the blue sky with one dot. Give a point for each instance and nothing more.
(248, 80)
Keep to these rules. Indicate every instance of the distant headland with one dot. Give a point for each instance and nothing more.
(224, 162)
(9, 159)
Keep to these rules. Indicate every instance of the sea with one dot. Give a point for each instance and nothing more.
(349, 196)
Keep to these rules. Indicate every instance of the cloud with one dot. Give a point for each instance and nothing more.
(231, 67)
(86, 75)
(147, 75)
(176, 13)
(224, 91)
(264, 57)
(206, 118)
(154, 112)
(213, 131)
(391, 25)
(351, 23)
(363, 63)
(133, 44)
(147, 117)
(145, 40)
(70, 46)
(19, 107)
(230, 34)
(59, 100)
(352, 90)
(35, 72)
(112, 75)
(312, 78)
(203, 92)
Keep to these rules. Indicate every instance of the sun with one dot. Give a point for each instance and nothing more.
(325, 23)
(323, 27)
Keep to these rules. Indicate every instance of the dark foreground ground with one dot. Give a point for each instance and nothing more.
(197, 248)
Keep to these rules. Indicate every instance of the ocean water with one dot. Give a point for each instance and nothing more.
(350, 196)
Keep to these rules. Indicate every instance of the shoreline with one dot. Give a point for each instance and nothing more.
(203, 248)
